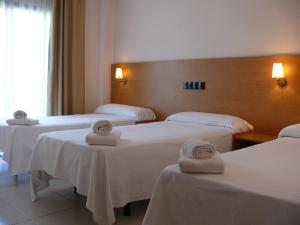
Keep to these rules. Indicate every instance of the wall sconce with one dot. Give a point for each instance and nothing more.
(278, 74)
(119, 76)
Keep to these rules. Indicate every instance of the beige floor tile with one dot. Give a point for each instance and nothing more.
(31, 222)
(57, 205)
(15, 193)
(2, 202)
(46, 204)
(7, 181)
(10, 215)
(75, 216)
(65, 190)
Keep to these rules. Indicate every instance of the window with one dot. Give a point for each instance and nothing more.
(24, 43)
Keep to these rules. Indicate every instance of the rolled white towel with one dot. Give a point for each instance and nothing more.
(101, 127)
(215, 164)
(198, 149)
(111, 139)
(22, 122)
(20, 114)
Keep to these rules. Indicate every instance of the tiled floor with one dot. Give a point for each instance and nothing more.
(56, 206)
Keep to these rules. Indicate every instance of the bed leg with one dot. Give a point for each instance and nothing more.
(33, 192)
(75, 191)
(127, 210)
(15, 178)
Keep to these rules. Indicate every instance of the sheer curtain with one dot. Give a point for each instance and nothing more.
(24, 43)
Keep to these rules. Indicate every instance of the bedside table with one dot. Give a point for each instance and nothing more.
(242, 140)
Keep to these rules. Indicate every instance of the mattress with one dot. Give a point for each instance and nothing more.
(261, 185)
(113, 176)
(17, 142)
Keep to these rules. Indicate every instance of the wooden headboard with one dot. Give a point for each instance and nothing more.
(236, 86)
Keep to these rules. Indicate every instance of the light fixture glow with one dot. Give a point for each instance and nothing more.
(119, 73)
(277, 71)
(278, 74)
(119, 76)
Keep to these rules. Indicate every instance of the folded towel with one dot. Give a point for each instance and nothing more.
(22, 122)
(198, 149)
(20, 114)
(101, 127)
(215, 164)
(111, 139)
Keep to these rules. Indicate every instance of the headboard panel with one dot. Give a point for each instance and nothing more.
(236, 86)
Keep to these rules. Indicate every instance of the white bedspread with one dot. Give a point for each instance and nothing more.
(113, 176)
(17, 142)
(261, 186)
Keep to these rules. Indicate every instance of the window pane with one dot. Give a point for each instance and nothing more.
(24, 42)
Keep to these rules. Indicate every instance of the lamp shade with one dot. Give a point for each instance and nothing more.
(277, 70)
(119, 73)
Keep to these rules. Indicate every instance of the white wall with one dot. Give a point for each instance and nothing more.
(106, 48)
(92, 54)
(98, 42)
(147, 30)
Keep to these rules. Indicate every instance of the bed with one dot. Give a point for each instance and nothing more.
(17, 142)
(261, 185)
(111, 177)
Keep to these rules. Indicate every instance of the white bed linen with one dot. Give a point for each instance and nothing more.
(261, 185)
(290, 131)
(17, 142)
(113, 176)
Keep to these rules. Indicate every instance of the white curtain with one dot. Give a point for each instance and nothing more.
(24, 42)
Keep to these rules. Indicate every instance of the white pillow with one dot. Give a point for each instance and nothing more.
(290, 131)
(138, 113)
(210, 119)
